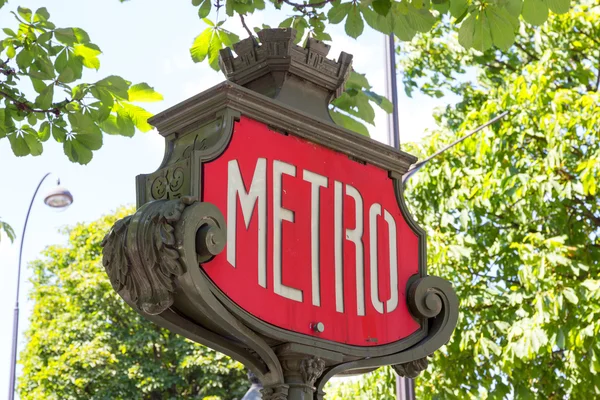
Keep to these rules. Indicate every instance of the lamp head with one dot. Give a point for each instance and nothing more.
(59, 197)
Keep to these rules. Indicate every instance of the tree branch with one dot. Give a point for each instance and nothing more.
(524, 50)
(5, 69)
(303, 6)
(587, 35)
(500, 65)
(4, 64)
(506, 65)
(598, 74)
(511, 223)
(588, 213)
(565, 174)
(245, 26)
(496, 278)
(155, 352)
(26, 107)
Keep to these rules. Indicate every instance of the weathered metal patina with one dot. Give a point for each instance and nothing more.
(277, 237)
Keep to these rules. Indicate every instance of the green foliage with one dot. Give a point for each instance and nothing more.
(513, 213)
(210, 41)
(483, 24)
(53, 59)
(354, 105)
(8, 231)
(85, 342)
(40, 58)
(379, 385)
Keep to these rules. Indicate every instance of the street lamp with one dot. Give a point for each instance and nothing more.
(57, 198)
(404, 386)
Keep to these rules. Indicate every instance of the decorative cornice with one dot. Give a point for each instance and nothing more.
(300, 76)
(183, 118)
(277, 52)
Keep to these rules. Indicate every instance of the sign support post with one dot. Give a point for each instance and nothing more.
(276, 237)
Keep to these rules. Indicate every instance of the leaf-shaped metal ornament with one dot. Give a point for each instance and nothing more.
(141, 258)
(115, 259)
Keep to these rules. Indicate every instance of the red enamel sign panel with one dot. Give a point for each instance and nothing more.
(313, 237)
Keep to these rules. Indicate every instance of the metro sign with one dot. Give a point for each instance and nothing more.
(312, 237)
(272, 235)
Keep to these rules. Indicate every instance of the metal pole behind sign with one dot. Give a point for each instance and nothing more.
(392, 91)
(405, 387)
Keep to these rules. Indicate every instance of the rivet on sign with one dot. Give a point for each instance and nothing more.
(318, 327)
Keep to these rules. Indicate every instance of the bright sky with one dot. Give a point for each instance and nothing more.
(142, 41)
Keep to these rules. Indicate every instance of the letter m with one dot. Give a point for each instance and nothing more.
(248, 199)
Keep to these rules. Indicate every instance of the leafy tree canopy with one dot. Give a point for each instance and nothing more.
(85, 342)
(42, 96)
(41, 65)
(40, 71)
(513, 214)
(483, 24)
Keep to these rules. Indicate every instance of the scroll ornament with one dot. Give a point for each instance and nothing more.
(142, 253)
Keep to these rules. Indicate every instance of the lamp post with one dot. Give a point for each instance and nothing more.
(59, 197)
(404, 386)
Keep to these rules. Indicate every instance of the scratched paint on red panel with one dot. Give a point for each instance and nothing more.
(253, 140)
